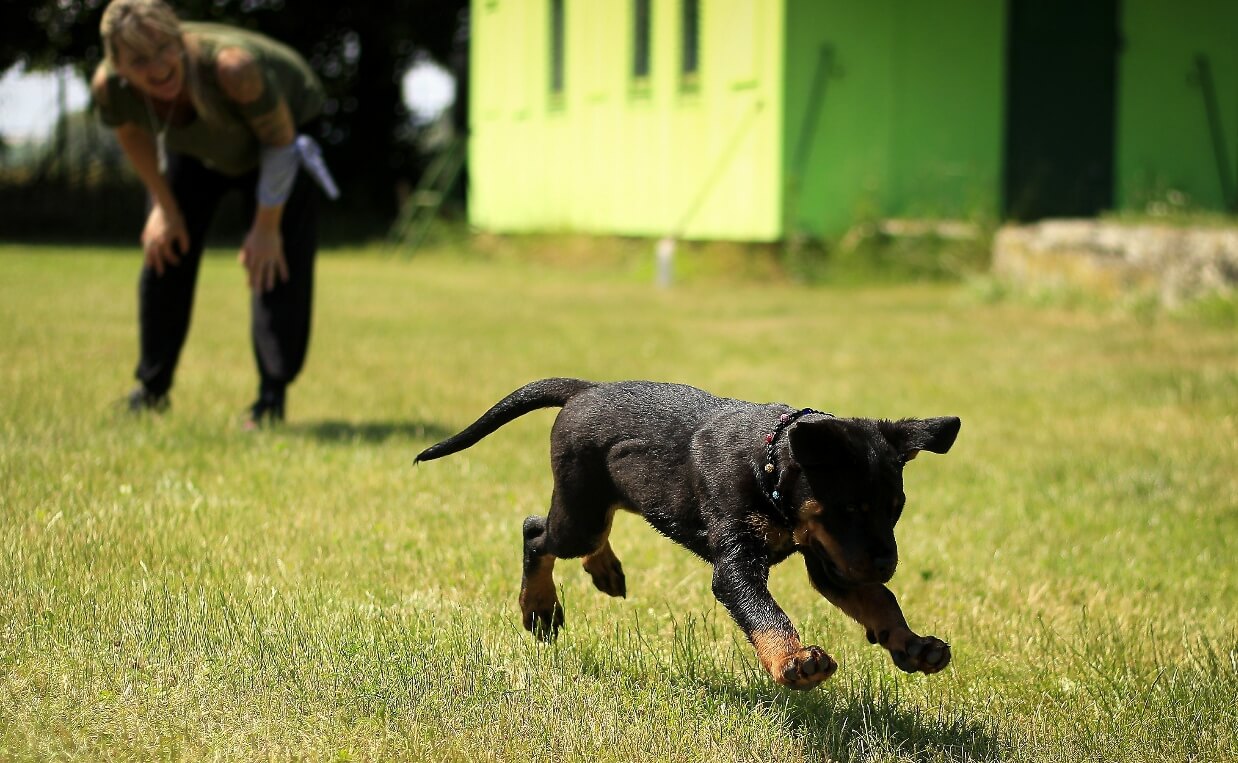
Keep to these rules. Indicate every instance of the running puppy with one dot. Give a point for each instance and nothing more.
(743, 486)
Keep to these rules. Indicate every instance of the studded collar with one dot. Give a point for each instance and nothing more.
(769, 471)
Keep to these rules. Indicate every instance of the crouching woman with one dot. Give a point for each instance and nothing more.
(201, 110)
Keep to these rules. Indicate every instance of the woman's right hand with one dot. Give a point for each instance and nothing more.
(164, 239)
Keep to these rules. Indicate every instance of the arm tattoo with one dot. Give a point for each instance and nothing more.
(243, 81)
(275, 127)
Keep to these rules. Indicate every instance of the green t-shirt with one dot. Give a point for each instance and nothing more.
(225, 142)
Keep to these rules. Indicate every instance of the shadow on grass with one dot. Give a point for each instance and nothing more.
(336, 431)
(866, 718)
(862, 714)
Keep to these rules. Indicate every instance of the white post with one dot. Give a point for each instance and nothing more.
(664, 255)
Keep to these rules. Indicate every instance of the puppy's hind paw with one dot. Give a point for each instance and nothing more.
(544, 624)
(607, 574)
(922, 654)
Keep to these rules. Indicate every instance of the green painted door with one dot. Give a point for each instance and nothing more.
(1061, 91)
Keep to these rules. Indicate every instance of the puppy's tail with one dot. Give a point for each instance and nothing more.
(547, 393)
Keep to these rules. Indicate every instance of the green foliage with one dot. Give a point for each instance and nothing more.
(1216, 310)
(64, 209)
(176, 588)
(1155, 200)
(359, 52)
(1219, 310)
(879, 258)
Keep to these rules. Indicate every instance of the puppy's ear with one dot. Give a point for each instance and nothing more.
(910, 436)
(822, 443)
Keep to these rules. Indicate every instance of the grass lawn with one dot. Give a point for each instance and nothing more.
(176, 588)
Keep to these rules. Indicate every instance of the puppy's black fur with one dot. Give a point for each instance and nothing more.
(742, 485)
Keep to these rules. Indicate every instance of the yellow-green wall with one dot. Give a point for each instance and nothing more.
(610, 157)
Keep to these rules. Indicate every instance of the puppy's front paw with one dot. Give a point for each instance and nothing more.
(922, 654)
(805, 669)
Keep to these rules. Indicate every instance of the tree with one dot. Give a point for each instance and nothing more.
(360, 51)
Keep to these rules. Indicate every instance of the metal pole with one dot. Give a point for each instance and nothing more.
(1203, 69)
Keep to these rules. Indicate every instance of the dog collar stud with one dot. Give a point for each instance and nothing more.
(771, 438)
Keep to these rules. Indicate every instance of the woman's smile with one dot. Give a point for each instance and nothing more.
(165, 88)
(159, 73)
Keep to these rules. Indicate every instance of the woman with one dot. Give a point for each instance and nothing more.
(201, 110)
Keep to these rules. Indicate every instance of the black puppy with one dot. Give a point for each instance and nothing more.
(744, 486)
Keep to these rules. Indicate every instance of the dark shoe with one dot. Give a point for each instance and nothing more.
(141, 400)
(267, 410)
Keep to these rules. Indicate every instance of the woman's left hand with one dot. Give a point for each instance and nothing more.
(262, 255)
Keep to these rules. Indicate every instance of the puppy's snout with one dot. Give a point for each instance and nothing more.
(884, 566)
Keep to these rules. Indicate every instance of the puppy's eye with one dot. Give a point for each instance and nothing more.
(850, 509)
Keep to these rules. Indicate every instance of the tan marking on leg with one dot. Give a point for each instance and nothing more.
(876, 608)
(774, 648)
(538, 598)
(599, 561)
(789, 662)
(606, 571)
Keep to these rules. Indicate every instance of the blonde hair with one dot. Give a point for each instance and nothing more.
(131, 23)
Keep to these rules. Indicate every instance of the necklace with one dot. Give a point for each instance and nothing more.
(160, 131)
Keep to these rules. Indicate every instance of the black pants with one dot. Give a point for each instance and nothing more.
(280, 318)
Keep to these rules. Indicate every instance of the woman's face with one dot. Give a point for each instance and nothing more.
(157, 68)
